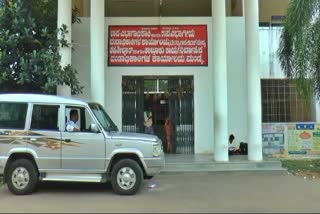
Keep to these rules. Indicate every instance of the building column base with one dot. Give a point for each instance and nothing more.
(221, 154)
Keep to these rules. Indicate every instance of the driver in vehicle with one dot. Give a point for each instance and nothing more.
(71, 125)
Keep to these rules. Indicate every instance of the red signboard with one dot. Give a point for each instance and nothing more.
(174, 45)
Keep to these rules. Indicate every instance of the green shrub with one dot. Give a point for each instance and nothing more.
(309, 165)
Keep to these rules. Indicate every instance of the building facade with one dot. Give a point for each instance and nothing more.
(225, 85)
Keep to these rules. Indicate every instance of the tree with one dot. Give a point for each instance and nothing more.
(29, 48)
(299, 50)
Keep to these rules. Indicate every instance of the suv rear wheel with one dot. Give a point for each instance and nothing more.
(126, 177)
(22, 177)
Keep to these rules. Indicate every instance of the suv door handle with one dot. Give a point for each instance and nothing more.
(67, 140)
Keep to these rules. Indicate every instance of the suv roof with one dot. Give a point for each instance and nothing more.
(40, 98)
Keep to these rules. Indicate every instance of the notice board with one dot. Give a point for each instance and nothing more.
(164, 45)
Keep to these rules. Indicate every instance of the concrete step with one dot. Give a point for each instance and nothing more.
(221, 166)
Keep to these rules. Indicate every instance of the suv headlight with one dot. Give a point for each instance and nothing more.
(157, 150)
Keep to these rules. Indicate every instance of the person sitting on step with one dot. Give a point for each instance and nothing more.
(231, 147)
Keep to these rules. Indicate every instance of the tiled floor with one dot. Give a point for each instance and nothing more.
(200, 158)
(206, 163)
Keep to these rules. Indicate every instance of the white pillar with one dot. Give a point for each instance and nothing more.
(65, 18)
(219, 63)
(253, 75)
(97, 54)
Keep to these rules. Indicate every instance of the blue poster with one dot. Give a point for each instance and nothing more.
(304, 126)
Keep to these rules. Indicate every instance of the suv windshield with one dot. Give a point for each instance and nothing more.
(103, 117)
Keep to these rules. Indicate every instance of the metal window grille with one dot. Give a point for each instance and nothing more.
(281, 103)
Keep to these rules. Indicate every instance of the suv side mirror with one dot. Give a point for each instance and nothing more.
(94, 128)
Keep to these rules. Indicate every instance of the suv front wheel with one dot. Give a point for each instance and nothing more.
(22, 177)
(126, 177)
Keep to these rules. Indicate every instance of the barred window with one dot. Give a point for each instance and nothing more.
(281, 103)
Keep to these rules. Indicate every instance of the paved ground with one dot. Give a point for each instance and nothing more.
(196, 192)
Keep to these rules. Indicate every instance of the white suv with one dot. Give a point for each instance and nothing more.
(35, 145)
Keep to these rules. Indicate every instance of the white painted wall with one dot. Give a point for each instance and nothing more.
(81, 54)
(269, 61)
(315, 109)
(203, 76)
(237, 82)
(270, 67)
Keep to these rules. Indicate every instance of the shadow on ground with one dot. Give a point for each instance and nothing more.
(74, 187)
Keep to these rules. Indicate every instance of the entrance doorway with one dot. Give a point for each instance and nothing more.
(167, 98)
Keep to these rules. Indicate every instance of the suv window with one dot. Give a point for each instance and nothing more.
(45, 117)
(84, 119)
(13, 115)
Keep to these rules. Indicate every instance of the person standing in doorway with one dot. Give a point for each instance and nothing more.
(148, 121)
(167, 127)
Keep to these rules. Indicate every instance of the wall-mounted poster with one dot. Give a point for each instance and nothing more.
(273, 144)
(298, 139)
(273, 140)
(316, 143)
(164, 45)
(301, 142)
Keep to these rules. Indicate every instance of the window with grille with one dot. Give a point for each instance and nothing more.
(281, 103)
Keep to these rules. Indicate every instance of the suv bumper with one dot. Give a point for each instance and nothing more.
(154, 165)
